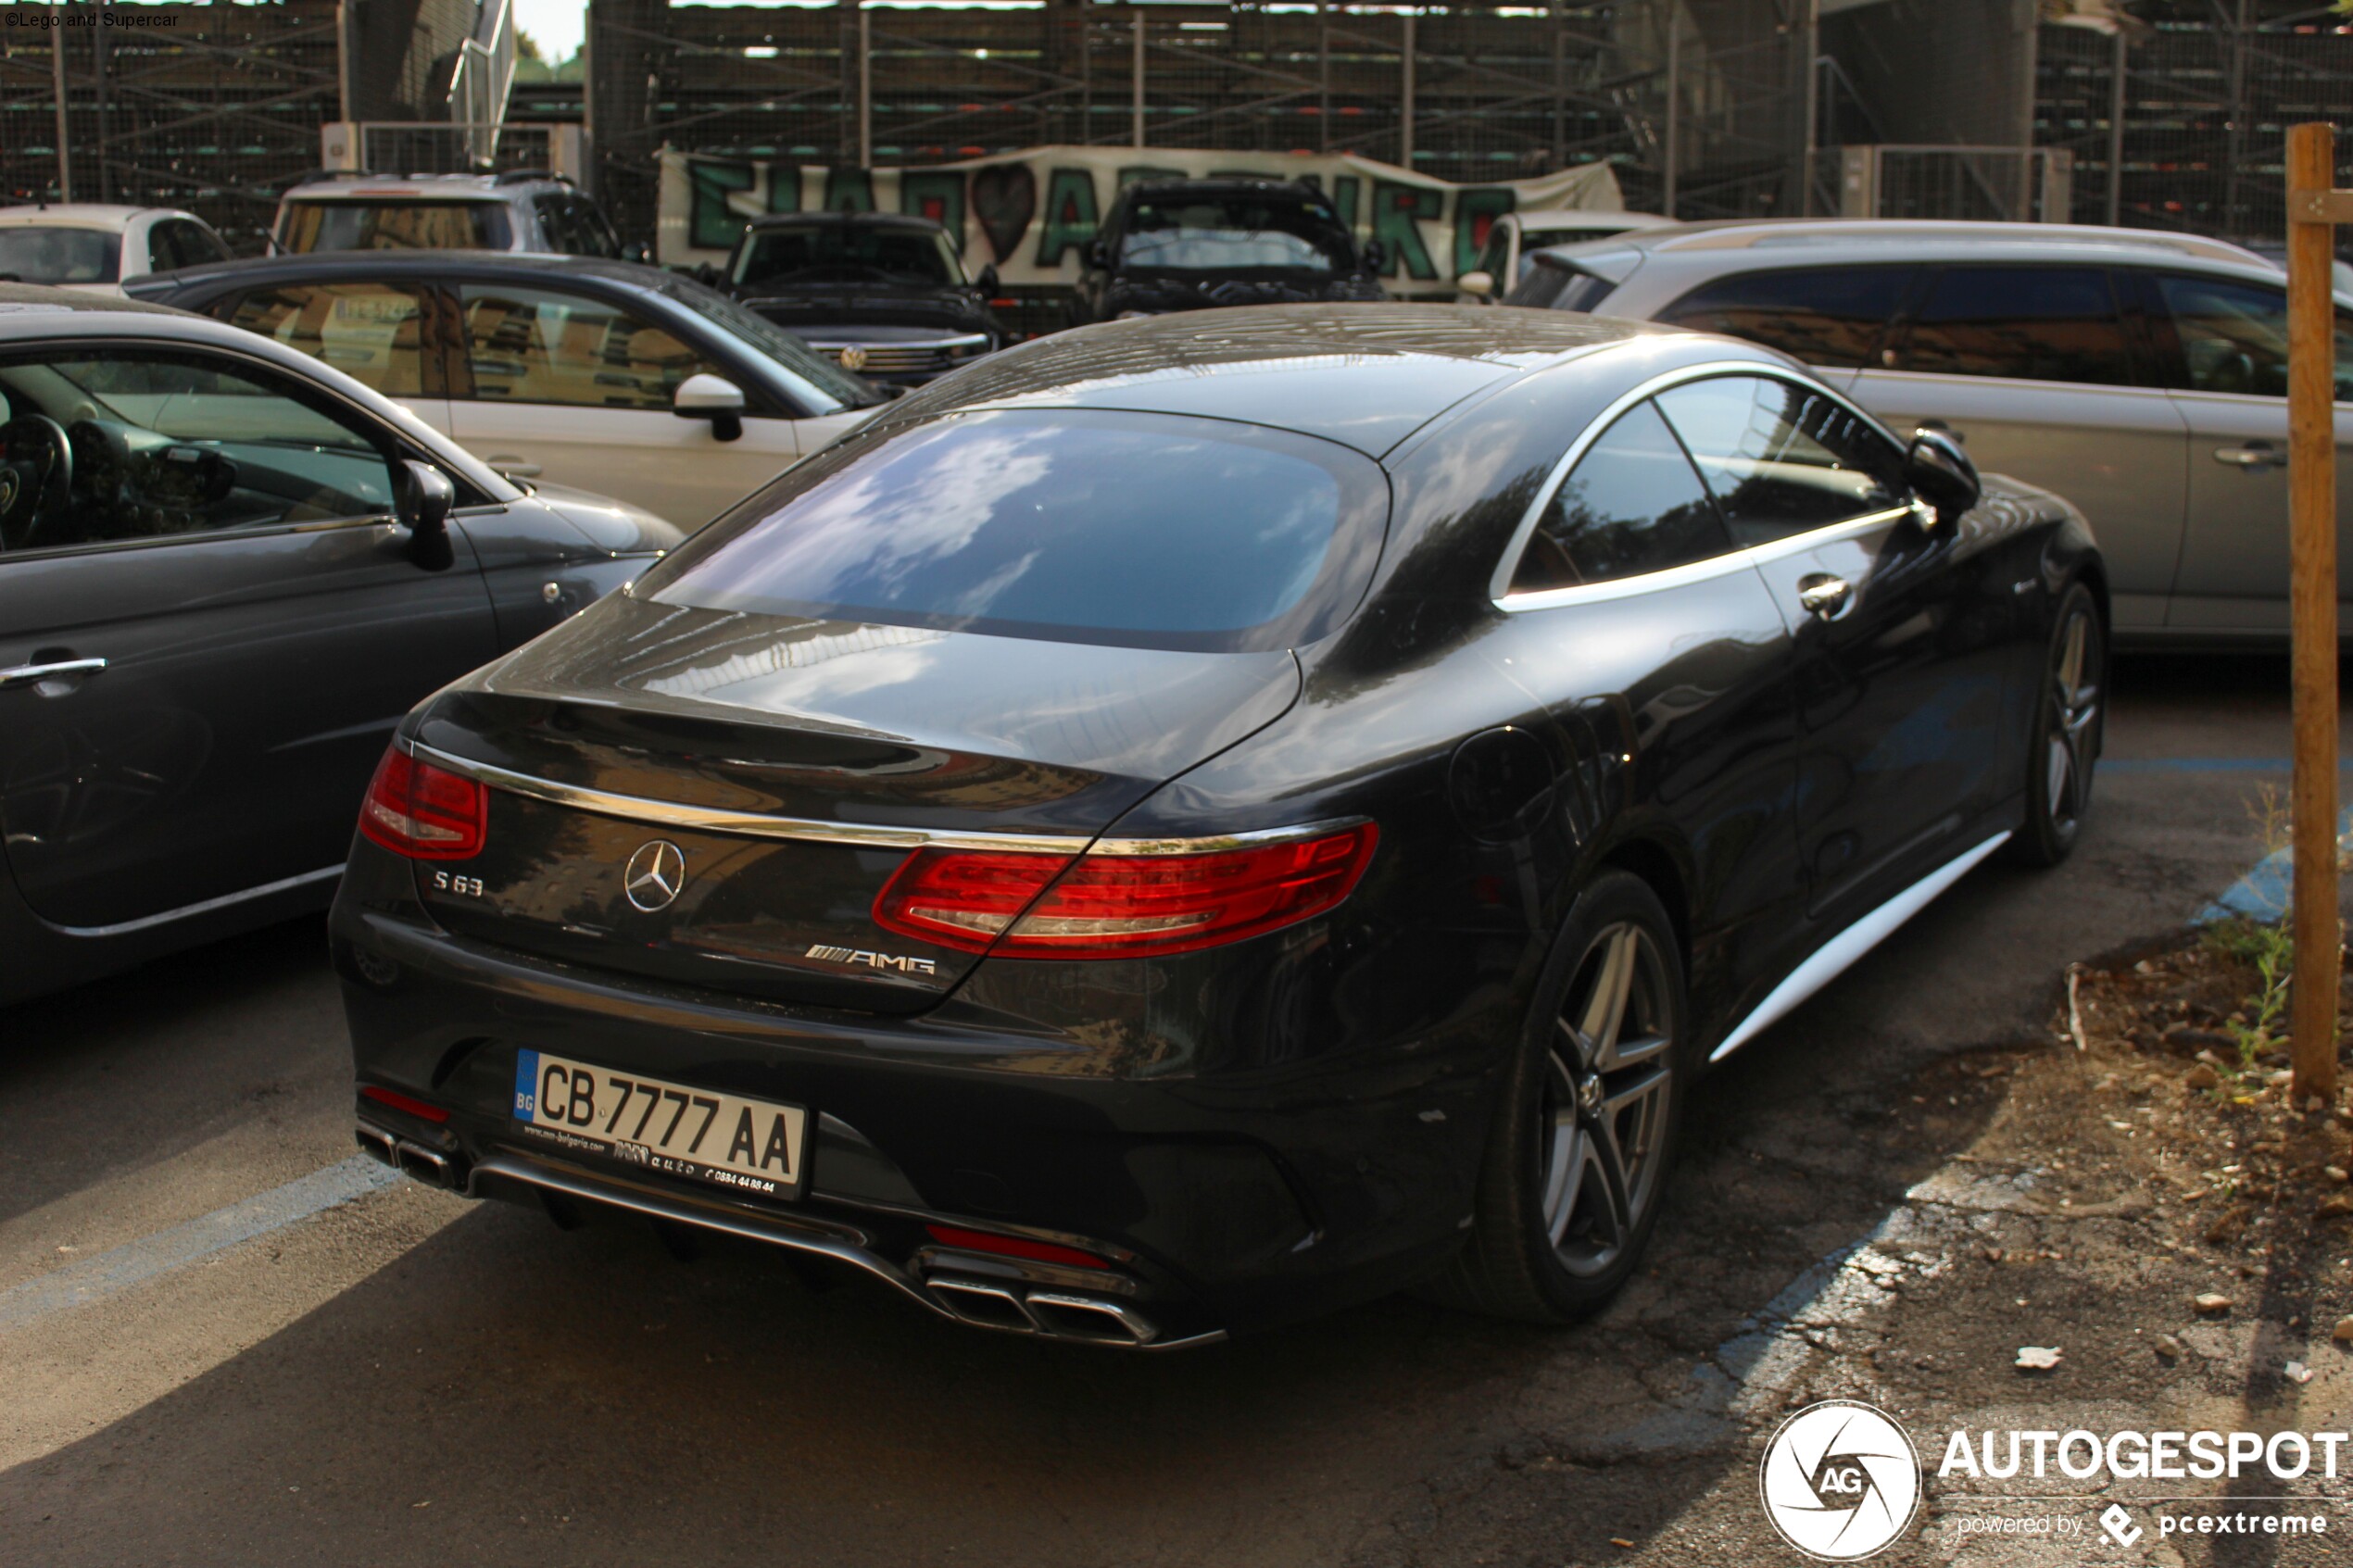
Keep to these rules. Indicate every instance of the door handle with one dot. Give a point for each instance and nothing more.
(1823, 595)
(62, 669)
(2254, 456)
(512, 468)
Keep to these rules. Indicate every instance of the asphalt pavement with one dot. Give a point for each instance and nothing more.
(223, 1340)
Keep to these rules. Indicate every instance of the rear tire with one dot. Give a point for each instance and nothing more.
(2064, 747)
(1575, 1166)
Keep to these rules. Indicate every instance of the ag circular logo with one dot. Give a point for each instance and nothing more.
(654, 875)
(1840, 1481)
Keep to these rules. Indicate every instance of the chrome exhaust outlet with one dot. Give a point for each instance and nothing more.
(377, 1144)
(1089, 1317)
(1055, 1314)
(422, 1164)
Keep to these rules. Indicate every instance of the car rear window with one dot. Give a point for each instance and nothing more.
(1554, 285)
(395, 224)
(1822, 315)
(35, 254)
(1087, 526)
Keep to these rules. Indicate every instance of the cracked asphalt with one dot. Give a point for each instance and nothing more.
(402, 1378)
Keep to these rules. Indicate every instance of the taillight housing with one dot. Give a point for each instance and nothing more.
(1019, 904)
(424, 812)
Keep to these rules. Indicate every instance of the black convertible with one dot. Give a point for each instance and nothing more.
(1192, 823)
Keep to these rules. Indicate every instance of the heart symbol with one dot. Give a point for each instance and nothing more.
(1005, 199)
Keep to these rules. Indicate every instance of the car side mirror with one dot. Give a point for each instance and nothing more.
(1477, 282)
(706, 397)
(421, 496)
(1376, 256)
(641, 253)
(987, 282)
(1939, 472)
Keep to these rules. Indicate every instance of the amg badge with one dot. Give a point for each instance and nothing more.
(871, 961)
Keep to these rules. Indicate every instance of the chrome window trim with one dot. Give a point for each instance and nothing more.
(1498, 588)
(856, 836)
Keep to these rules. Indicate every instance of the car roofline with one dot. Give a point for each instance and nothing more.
(1751, 233)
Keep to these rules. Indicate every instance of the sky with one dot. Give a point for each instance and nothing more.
(556, 26)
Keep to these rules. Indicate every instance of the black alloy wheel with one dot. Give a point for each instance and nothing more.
(1577, 1166)
(2065, 744)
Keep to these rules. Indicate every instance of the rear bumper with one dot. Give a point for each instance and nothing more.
(1222, 1204)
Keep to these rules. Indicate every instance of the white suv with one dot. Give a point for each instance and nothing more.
(93, 248)
(523, 209)
(2142, 375)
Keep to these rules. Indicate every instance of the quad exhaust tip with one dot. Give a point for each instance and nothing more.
(1057, 1314)
(413, 1160)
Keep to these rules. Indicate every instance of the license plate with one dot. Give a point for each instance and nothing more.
(750, 1146)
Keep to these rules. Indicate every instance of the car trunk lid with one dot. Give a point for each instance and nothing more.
(792, 765)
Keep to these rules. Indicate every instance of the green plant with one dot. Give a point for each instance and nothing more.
(2271, 949)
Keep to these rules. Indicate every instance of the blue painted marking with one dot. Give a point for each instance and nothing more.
(92, 1279)
(2203, 764)
(526, 1084)
(2262, 894)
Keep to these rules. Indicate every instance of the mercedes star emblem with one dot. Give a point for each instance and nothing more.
(656, 873)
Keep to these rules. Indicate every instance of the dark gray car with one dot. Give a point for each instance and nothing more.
(226, 571)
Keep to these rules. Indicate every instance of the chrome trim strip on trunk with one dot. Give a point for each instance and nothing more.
(711, 818)
(1834, 957)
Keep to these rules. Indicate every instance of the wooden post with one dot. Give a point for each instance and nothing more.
(2311, 513)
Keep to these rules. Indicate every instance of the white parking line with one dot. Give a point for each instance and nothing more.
(93, 1279)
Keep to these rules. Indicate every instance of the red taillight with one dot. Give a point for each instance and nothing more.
(424, 812)
(1118, 906)
(399, 1101)
(1013, 1247)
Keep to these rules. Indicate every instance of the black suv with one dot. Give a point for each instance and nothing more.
(1191, 245)
(885, 294)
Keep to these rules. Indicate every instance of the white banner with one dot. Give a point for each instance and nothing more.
(1032, 215)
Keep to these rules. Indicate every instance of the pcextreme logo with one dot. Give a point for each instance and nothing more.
(1840, 1481)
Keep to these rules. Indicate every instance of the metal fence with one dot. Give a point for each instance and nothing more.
(212, 108)
(1462, 93)
(2177, 121)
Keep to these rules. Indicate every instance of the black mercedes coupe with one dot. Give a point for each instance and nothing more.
(1195, 822)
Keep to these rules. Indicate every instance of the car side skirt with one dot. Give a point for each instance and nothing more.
(1835, 956)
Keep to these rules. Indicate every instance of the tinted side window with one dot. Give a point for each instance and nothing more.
(199, 245)
(1824, 315)
(163, 254)
(1782, 459)
(2030, 324)
(210, 446)
(2234, 336)
(591, 234)
(374, 333)
(1630, 506)
(536, 345)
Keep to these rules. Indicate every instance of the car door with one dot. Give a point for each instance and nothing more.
(2033, 365)
(1655, 643)
(573, 389)
(1900, 678)
(379, 331)
(203, 654)
(2224, 344)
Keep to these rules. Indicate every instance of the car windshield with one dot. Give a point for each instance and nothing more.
(394, 225)
(1232, 234)
(842, 252)
(33, 254)
(1143, 531)
(823, 377)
